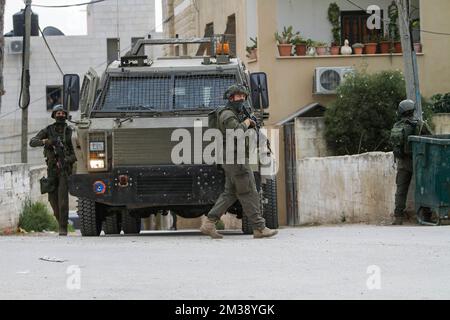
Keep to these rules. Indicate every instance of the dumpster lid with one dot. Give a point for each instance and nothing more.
(443, 139)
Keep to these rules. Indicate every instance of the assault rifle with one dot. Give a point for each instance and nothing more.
(59, 150)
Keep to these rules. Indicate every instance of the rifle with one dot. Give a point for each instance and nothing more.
(59, 150)
(257, 127)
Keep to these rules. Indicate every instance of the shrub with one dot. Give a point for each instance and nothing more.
(361, 118)
(440, 103)
(36, 217)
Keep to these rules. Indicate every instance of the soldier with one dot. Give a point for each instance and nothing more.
(239, 179)
(404, 128)
(60, 157)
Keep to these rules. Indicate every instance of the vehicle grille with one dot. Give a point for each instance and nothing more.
(161, 185)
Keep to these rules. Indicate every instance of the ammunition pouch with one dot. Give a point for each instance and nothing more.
(47, 185)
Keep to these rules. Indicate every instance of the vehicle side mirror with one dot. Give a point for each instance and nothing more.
(71, 92)
(259, 90)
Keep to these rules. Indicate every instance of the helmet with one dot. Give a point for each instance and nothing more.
(406, 106)
(57, 108)
(235, 89)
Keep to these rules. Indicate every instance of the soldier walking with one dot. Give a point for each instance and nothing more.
(239, 179)
(407, 126)
(60, 157)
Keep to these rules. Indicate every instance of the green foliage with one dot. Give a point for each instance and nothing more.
(286, 36)
(334, 13)
(364, 112)
(36, 217)
(440, 103)
(358, 45)
(253, 46)
(394, 30)
(297, 40)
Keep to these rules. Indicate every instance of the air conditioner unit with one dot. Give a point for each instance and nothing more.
(327, 79)
(16, 47)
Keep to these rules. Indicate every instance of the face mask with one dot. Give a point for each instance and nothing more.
(237, 105)
(60, 120)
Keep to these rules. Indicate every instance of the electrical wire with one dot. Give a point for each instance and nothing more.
(67, 5)
(50, 50)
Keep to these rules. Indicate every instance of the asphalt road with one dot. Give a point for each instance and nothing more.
(344, 262)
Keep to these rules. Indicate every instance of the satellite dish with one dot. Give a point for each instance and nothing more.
(52, 31)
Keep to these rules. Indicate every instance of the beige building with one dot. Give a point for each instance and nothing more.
(291, 79)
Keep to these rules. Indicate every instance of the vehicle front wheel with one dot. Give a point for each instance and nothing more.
(111, 225)
(90, 223)
(130, 224)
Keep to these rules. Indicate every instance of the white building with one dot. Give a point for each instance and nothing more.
(106, 21)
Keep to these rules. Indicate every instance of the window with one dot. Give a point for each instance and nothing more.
(54, 96)
(112, 49)
(354, 26)
(209, 32)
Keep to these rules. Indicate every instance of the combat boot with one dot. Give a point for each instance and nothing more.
(398, 221)
(264, 233)
(209, 228)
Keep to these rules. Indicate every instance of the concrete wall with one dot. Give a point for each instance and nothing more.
(310, 138)
(352, 189)
(17, 183)
(441, 123)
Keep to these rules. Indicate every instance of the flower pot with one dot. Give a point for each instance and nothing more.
(335, 50)
(398, 47)
(371, 48)
(417, 47)
(300, 49)
(285, 50)
(358, 50)
(385, 47)
(321, 51)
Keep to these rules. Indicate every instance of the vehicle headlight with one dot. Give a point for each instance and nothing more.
(97, 160)
(97, 164)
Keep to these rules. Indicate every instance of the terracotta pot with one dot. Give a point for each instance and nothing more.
(321, 51)
(300, 49)
(385, 47)
(285, 50)
(335, 50)
(358, 50)
(418, 47)
(371, 48)
(398, 47)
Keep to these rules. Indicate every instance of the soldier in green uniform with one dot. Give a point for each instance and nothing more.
(404, 128)
(239, 179)
(60, 157)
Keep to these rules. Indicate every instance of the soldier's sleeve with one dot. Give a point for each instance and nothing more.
(70, 151)
(230, 121)
(36, 141)
(426, 130)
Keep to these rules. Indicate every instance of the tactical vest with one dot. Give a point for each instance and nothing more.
(399, 137)
(53, 134)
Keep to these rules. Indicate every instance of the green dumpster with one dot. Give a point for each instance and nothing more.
(431, 158)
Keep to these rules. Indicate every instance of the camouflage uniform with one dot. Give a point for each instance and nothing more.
(405, 164)
(239, 179)
(58, 196)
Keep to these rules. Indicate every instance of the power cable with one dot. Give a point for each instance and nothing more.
(50, 50)
(67, 5)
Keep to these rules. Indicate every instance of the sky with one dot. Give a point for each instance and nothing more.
(71, 21)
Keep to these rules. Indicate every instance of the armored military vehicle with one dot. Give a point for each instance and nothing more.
(124, 144)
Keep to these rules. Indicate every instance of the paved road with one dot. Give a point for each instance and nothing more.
(303, 263)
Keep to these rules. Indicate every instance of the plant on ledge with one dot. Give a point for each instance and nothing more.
(334, 13)
(321, 48)
(371, 43)
(300, 45)
(252, 50)
(358, 47)
(285, 40)
(394, 30)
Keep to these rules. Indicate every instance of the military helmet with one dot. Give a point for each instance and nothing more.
(235, 89)
(57, 108)
(406, 106)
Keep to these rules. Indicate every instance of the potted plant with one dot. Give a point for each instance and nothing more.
(300, 45)
(310, 49)
(371, 43)
(334, 13)
(321, 48)
(285, 41)
(416, 29)
(385, 44)
(252, 50)
(394, 32)
(358, 48)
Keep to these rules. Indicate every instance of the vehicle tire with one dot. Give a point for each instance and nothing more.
(270, 207)
(111, 225)
(130, 224)
(90, 224)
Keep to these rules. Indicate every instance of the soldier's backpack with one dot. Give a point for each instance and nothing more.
(213, 118)
(399, 138)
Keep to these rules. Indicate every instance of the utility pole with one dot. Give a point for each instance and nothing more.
(409, 57)
(25, 98)
(2, 49)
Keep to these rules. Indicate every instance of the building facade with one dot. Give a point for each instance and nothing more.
(106, 22)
